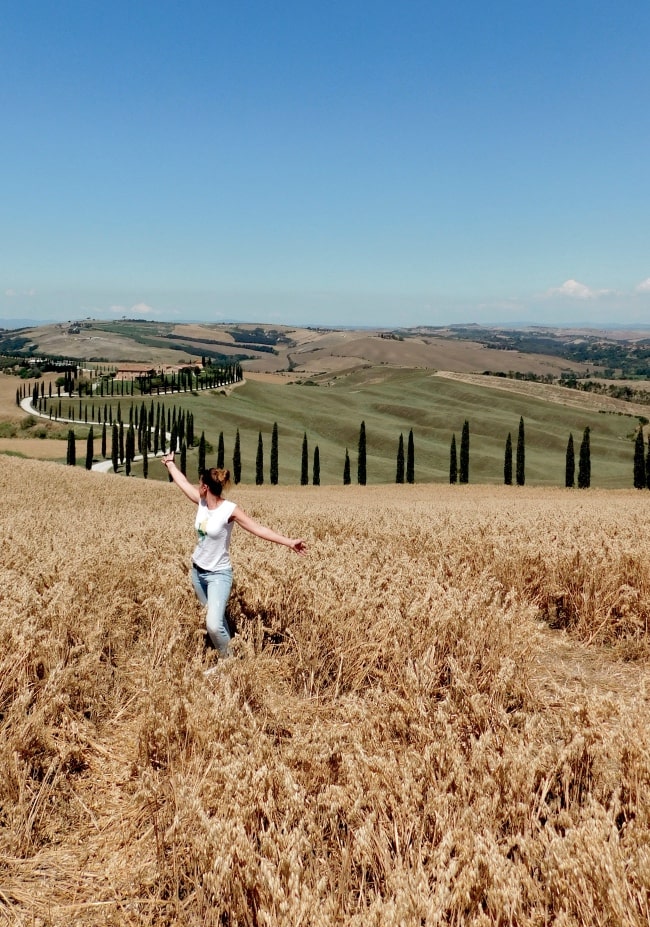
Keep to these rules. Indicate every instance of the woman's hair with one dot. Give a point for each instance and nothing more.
(215, 479)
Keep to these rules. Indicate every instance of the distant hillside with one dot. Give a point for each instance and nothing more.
(323, 351)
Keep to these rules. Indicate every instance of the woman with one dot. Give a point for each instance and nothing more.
(211, 568)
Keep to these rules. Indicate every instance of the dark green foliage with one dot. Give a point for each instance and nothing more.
(104, 440)
(361, 462)
(90, 447)
(316, 469)
(145, 462)
(410, 459)
(584, 462)
(236, 460)
(304, 462)
(463, 474)
(130, 448)
(570, 466)
(71, 454)
(259, 461)
(274, 474)
(346, 469)
(202, 453)
(453, 461)
(221, 453)
(399, 470)
(115, 449)
(121, 442)
(521, 454)
(507, 462)
(640, 466)
(183, 458)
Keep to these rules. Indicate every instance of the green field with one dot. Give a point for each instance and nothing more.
(393, 401)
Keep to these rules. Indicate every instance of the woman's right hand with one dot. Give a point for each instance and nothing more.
(167, 458)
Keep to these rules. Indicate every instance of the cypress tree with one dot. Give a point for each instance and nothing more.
(145, 461)
(361, 463)
(90, 447)
(274, 455)
(584, 461)
(399, 470)
(163, 435)
(346, 469)
(183, 458)
(410, 459)
(507, 462)
(202, 453)
(570, 466)
(114, 446)
(71, 455)
(121, 442)
(521, 454)
(221, 452)
(104, 440)
(304, 462)
(130, 448)
(315, 476)
(463, 475)
(453, 461)
(259, 461)
(640, 466)
(236, 460)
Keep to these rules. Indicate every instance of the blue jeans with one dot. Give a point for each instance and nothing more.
(213, 589)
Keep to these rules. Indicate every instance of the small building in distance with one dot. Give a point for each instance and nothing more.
(133, 371)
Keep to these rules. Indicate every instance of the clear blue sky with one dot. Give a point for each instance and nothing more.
(357, 163)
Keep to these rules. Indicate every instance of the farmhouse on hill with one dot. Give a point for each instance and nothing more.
(131, 371)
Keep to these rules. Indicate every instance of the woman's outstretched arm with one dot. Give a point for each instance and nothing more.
(267, 534)
(180, 479)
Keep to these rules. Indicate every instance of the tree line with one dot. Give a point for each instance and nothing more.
(151, 429)
(514, 461)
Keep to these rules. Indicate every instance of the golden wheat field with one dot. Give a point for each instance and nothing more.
(438, 717)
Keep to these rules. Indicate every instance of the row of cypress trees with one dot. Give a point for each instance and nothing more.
(405, 467)
(459, 472)
(151, 436)
(212, 377)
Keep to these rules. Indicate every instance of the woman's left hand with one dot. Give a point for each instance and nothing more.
(298, 546)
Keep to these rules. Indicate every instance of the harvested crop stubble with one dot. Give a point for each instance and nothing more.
(383, 750)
